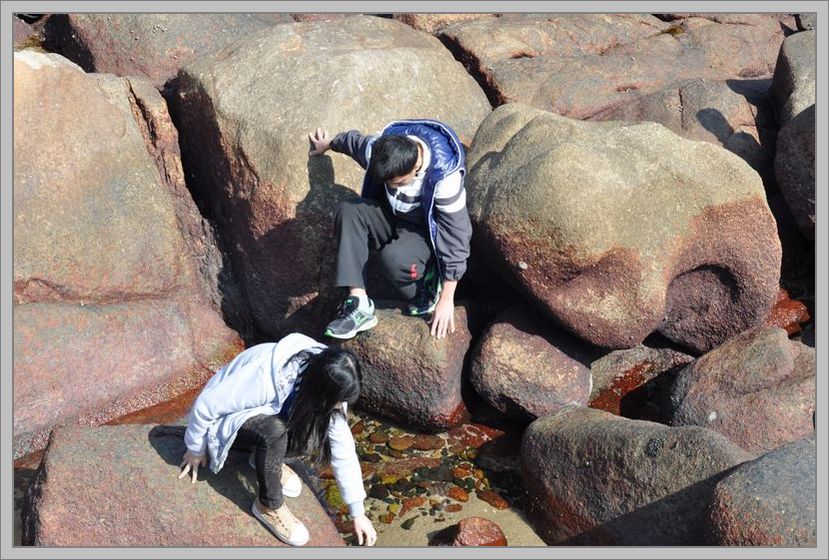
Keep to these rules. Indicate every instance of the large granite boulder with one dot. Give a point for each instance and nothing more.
(735, 114)
(770, 501)
(793, 85)
(579, 77)
(526, 368)
(245, 115)
(601, 480)
(154, 46)
(794, 167)
(119, 486)
(410, 376)
(618, 230)
(112, 308)
(758, 389)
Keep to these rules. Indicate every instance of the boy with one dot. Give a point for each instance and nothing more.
(413, 210)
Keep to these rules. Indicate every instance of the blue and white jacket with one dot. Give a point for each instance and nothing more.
(443, 202)
(258, 381)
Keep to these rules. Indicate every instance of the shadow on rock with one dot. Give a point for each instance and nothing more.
(236, 481)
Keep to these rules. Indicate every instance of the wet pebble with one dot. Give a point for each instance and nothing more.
(426, 442)
(493, 498)
(400, 443)
(408, 523)
(372, 458)
(458, 494)
(358, 428)
(411, 503)
(378, 437)
(379, 492)
(454, 508)
(459, 472)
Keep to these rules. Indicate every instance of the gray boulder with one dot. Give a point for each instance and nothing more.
(118, 486)
(735, 114)
(793, 85)
(770, 501)
(154, 46)
(111, 300)
(618, 230)
(410, 376)
(245, 115)
(596, 479)
(581, 83)
(757, 389)
(794, 167)
(526, 368)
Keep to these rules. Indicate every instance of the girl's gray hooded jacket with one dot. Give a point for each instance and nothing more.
(258, 381)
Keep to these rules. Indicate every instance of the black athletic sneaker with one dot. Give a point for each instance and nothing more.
(351, 320)
(428, 291)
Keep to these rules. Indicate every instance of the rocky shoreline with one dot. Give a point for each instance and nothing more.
(634, 360)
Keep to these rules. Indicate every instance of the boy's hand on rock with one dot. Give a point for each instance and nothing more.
(443, 318)
(320, 142)
(190, 463)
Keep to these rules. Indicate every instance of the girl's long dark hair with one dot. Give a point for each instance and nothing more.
(330, 377)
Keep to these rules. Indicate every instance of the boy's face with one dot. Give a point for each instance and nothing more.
(403, 180)
(407, 179)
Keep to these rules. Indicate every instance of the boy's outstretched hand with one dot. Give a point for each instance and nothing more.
(320, 142)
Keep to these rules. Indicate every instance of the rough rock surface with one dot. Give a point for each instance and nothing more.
(23, 34)
(111, 311)
(793, 85)
(770, 501)
(248, 112)
(757, 389)
(139, 501)
(154, 46)
(578, 73)
(526, 368)
(735, 114)
(410, 376)
(635, 383)
(471, 531)
(434, 23)
(794, 167)
(618, 230)
(596, 479)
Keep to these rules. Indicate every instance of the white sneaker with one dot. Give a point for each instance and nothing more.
(281, 523)
(291, 484)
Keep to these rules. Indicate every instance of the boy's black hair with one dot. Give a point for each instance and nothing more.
(329, 377)
(393, 156)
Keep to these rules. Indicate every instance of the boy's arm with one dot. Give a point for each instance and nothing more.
(454, 232)
(351, 143)
(454, 228)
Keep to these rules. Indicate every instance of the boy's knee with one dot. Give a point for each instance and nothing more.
(347, 211)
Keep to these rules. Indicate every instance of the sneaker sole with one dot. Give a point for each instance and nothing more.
(270, 528)
(287, 492)
(370, 324)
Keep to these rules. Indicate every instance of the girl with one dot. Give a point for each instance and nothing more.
(283, 398)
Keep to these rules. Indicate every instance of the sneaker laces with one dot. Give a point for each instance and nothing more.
(347, 307)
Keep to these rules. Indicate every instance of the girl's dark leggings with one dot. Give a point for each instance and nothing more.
(268, 437)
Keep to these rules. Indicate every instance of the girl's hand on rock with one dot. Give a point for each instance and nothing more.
(190, 463)
(366, 534)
